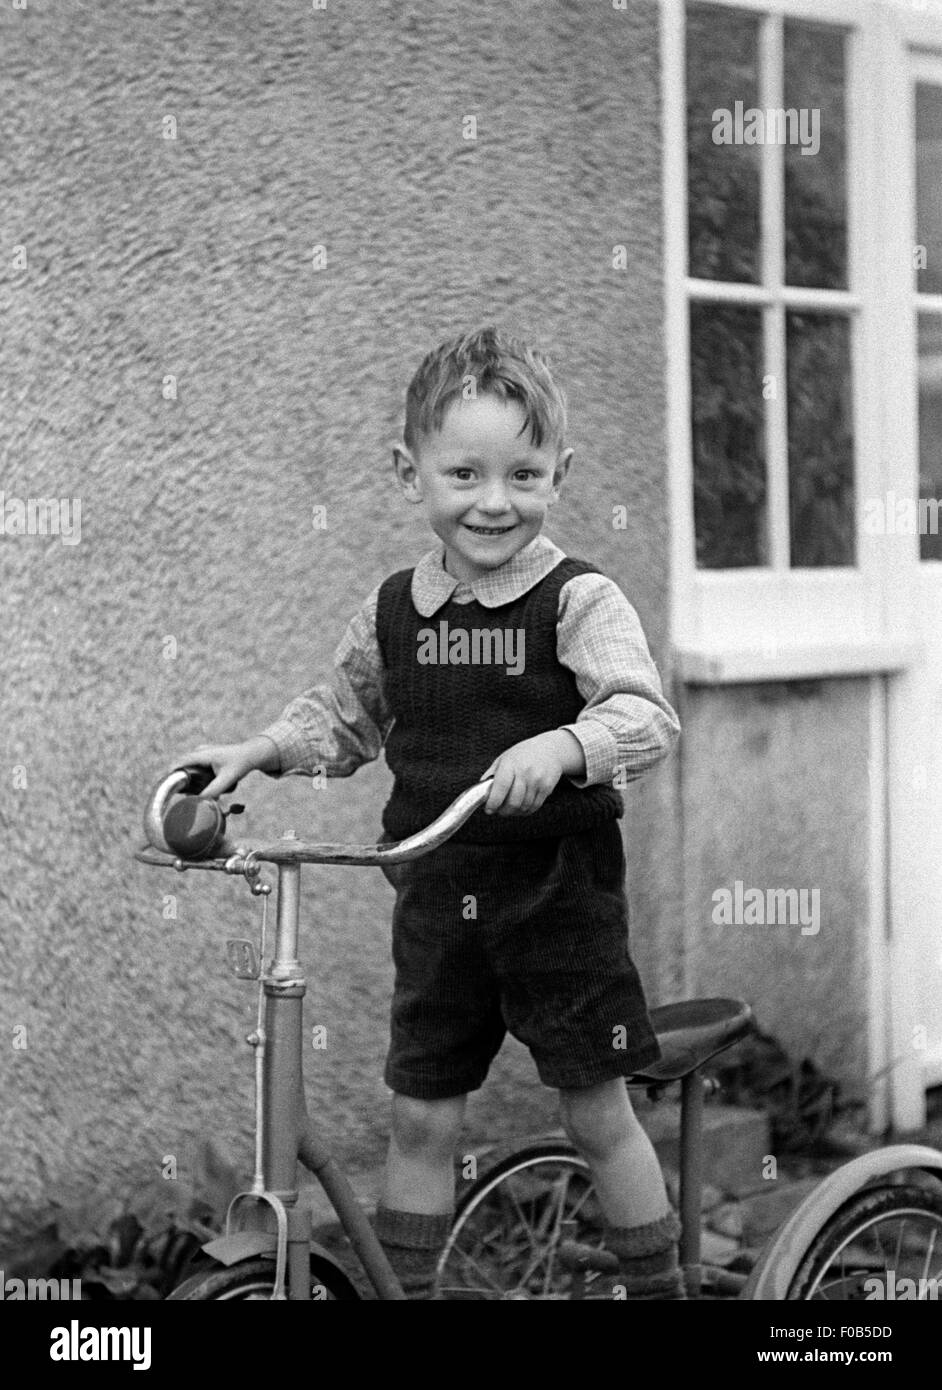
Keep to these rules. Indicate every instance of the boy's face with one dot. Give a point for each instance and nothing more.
(485, 486)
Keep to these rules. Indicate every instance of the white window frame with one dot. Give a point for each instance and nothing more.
(774, 622)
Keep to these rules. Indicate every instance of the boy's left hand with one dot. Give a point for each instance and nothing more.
(525, 774)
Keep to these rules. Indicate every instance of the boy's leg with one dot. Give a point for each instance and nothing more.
(640, 1227)
(416, 1207)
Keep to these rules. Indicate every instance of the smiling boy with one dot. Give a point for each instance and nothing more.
(544, 952)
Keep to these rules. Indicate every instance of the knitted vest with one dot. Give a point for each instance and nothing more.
(464, 686)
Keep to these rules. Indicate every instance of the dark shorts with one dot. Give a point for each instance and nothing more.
(529, 937)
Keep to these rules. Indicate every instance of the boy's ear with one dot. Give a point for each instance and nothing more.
(561, 469)
(406, 471)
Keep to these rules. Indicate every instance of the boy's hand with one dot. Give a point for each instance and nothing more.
(231, 762)
(525, 775)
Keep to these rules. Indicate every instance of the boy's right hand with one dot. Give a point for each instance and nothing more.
(231, 762)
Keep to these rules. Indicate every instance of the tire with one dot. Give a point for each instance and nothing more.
(508, 1227)
(879, 1230)
(254, 1280)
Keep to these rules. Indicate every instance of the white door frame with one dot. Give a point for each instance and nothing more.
(884, 647)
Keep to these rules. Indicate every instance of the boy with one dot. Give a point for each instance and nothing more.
(498, 655)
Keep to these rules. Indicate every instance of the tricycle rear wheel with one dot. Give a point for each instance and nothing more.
(508, 1227)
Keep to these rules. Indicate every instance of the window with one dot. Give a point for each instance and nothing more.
(770, 313)
(780, 285)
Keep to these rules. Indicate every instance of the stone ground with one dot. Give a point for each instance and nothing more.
(738, 1215)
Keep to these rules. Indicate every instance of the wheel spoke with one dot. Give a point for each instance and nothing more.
(467, 1258)
(562, 1193)
(525, 1223)
(505, 1241)
(925, 1268)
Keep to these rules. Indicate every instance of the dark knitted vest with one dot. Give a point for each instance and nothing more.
(457, 704)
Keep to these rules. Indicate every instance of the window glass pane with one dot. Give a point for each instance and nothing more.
(723, 178)
(815, 157)
(728, 435)
(820, 440)
(930, 436)
(928, 259)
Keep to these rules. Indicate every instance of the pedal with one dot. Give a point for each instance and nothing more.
(586, 1258)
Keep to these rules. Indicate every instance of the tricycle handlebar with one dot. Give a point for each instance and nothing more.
(290, 850)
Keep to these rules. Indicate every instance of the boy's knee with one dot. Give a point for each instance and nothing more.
(598, 1119)
(421, 1125)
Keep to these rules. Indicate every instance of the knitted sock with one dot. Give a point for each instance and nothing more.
(648, 1258)
(413, 1242)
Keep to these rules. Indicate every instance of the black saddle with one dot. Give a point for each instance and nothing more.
(690, 1034)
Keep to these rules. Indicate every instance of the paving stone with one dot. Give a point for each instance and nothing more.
(716, 1249)
(743, 1261)
(710, 1197)
(735, 1142)
(727, 1220)
(846, 1139)
(764, 1212)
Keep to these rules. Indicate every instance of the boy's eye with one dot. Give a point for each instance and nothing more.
(526, 475)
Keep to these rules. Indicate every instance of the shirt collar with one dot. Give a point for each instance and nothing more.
(433, 586)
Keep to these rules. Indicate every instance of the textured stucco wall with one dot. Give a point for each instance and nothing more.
(149, 257)
(783, 771)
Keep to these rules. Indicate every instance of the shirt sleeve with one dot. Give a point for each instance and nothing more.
(341, 723)
(627, 725)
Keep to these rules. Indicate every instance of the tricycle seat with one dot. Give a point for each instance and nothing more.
(692, 1032)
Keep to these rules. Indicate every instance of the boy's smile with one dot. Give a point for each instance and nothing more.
(485, 485)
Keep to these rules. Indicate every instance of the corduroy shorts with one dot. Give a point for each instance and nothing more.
(529, 937)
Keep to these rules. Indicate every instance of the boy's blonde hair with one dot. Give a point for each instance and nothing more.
(497, 365)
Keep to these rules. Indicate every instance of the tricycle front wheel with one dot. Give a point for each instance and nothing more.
(254, 1280)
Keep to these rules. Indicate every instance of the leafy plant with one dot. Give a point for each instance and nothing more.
(136, 1249)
